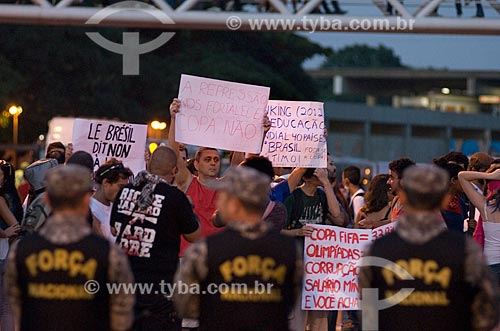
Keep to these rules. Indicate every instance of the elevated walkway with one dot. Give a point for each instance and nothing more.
(412, 16)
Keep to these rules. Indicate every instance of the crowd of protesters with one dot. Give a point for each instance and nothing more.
(248, 225)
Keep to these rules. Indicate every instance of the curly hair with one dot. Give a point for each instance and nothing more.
(399, 166)
(457, 158)
(376, 196)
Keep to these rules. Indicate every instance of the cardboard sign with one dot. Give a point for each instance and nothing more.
(105, 140)
(296, 137)
(331, 257)
(220, 114)
(383, 230)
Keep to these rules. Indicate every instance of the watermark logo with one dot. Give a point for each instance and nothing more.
(241, 290)
(131, 48)
(91, 286)
(321, 23)
(233, 22)
(370, 303)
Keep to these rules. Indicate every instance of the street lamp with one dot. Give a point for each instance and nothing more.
(158, 126)
(15, 111)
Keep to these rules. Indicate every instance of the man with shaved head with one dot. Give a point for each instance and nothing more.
(148, 218)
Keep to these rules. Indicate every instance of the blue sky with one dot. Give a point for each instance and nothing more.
(458, 52)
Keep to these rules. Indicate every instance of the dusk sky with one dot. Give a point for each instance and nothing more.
(457, 52)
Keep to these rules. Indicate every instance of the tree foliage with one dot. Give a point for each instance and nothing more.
(363, 56)
(59, 71)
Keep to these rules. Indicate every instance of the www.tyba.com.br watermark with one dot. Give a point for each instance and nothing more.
(320, 23)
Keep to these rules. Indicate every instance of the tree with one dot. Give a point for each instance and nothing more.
(64, 73)
(363, 56)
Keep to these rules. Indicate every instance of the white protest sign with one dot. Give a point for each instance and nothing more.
(296, 137)
(105, 140)
(331, 257)
(221, 114)
(383, 230)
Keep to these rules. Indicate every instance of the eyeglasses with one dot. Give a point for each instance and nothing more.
(118, 166)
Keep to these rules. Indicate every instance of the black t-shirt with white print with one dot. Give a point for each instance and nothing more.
(151, 238)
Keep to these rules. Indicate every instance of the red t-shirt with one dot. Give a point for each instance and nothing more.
(204, 200)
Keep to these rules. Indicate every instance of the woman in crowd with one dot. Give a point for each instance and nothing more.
(455, 212)
(377, 207)
(11, 214)
(489, 207)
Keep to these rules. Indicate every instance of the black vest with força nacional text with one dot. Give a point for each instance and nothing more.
(441, 299)
(51, 278)
(251, 281)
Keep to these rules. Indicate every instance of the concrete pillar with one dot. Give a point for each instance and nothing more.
(367, 134)
(448, 137)
(371, 100)
(396, 101)
(485, 142)
(338, 85)
(407, 139)
(471, 86)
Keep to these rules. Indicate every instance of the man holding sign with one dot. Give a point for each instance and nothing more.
(306, 206)
(207, 162)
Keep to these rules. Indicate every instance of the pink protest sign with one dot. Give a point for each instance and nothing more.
(221, 114)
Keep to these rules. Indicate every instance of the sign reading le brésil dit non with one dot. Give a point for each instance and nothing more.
(296, 137)
(221, 114)
(104, 140)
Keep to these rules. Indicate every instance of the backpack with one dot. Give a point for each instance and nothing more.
(299, 205)
(35, 174)
(36, 214)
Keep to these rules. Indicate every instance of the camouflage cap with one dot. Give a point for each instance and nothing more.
(425, 187)
(68, 182)
(425, 179)
(246, 184)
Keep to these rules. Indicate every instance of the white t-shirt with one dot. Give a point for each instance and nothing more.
(357, 201)
(102, 213)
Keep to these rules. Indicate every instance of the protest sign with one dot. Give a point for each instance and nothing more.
(331, 257)
(383, 230)
(296, 137)
(105, 140)
(220, 114)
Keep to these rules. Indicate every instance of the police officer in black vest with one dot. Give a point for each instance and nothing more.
(57, 277)
(247, 277)
(441, 275)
